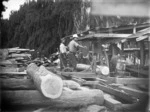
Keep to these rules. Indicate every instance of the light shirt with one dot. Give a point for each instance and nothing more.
(73, 46)
(63, 48)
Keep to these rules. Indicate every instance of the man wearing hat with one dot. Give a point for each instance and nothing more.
(73, 47)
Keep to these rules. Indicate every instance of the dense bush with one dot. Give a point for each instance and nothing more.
(40, 24)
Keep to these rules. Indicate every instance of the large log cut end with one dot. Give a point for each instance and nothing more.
(104, 70)
(49, 84)
(51, 87)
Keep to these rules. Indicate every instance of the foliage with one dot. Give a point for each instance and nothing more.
(40, 24)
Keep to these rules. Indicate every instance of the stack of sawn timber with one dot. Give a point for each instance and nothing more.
(48, 90)
(14, 60)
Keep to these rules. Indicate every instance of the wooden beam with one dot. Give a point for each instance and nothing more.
(111, 103)
(19, 55)
(142, 53)
(138, 71)
(111, 35)
(112, 91)
(133, 49)
(137, 81)
(140, 33)
(139, 106)
(15, 73)
(141, 38)
(123, 28)
(134, 92)
(19, 50)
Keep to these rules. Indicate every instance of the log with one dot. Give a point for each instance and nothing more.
(71, 84)
(48, 83)
(17, 84)
(68, 99)
(93, 108)
(79, 74)
(104, 70)
(27, 84)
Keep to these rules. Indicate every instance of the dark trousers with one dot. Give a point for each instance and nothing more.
(63, 61)
(72, 60)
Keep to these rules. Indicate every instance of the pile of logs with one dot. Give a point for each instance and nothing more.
(47, 90)
(39, 88)
(14, 59)
(70, 91)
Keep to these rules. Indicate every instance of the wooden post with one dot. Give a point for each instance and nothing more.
(142, 54)
(48, 83)
(122, 47)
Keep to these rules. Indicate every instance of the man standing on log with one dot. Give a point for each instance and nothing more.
(63, 51)
(73, 47)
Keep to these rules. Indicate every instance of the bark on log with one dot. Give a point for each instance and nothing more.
(17, 84)
(9, 69)
(48, 83)
(67, 99)
(71, 84)
(104, 70)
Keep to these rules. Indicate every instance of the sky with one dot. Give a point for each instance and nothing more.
(11, 5)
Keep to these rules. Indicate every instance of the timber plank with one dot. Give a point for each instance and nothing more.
(120, 94)
(134, 92)
(138, 81)
(15, 73)
(111, 102)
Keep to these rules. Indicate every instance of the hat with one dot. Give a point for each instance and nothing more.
(75, 35)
